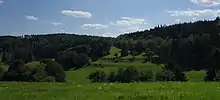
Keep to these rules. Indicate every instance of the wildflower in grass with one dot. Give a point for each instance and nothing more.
(119, 96)
(79, 85)
(99, 88)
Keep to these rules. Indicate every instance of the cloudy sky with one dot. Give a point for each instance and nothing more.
(99, 17)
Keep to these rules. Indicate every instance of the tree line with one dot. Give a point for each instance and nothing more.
(171, 72)
(72, 51)
(55, 52)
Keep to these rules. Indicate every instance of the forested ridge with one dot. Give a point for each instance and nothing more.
(38, 47)
(190, 45)
(181, 47)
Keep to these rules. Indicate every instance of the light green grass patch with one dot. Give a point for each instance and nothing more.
(113, 50)
(196, 76)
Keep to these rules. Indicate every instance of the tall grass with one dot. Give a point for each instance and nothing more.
(103, 91)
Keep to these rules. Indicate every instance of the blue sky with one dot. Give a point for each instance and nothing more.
(99, 17)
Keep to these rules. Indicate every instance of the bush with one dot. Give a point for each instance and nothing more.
(116, 60)
(210, 75)
(15, 71)
(146, 76)
(217, 76)
(54, 69)
(116, 55)
(131, 74)
(111, 77)
(45, 71)
(38, 73)
(179, 75)
(1, 73)
(71, 59)
(81, 60)
(127, 75)
(123, 75)
(165, 75)
(132, 59)
(98, 76)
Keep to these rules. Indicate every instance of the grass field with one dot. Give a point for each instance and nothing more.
(102, 91)
(80, 75)
(115, 50)
(78, 87)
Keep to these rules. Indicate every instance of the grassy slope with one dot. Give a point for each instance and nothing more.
(112, 52)
(195, 76)
(80, 76)
(117, 50)
(79, 87)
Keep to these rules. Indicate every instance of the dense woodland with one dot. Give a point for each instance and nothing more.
(181, 47)
(193, 46)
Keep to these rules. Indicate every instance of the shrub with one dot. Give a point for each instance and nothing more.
(116, 55)
(15, 71)
(111, 77)
(146, 76)
(217, 76)
(132, 59)
(179, 75)
(119, 75)
(165, 75)
(98, 76)
(38, 73)
(1, 72)
(129, 74)
(116, 60)
(46, 71)
(71, 59)
(54, 69)
(210, 75)
(81, 60)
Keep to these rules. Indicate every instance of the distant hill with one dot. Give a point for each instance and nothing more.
(176, 30)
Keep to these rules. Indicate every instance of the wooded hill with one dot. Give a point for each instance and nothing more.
(193, 45)
(187, 46)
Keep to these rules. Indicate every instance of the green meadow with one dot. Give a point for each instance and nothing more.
(79, 87)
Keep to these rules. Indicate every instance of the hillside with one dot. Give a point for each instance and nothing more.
(193, 46)
(154, 64)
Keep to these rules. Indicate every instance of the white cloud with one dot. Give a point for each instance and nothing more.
(76, 13)
(1, 2)
(194, 19)
(56, 23)
(109, 34)
(195, 13)
(129, 24)
(31, 17)
(206, 2)
(96, 26)
(128, 21)
(177, 20)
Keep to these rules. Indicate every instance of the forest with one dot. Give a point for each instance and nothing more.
(179, 47)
